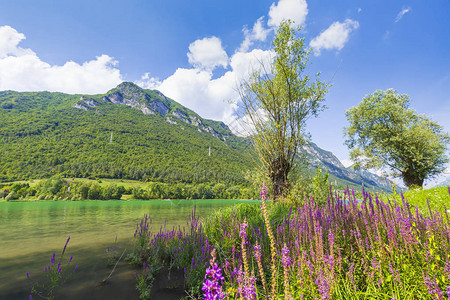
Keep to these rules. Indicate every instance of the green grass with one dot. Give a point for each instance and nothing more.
(106, 181)
(438, 197)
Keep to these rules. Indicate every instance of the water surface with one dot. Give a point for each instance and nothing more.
(31, 231)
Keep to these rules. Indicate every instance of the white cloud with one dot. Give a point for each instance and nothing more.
(295, 10)
(258, 33)
(9, 41)
(197, 90)
(359, 10)
(334, 37)
(346, 162)
(244, 63)
(148, 82)
(22, 70)
(213, 98)
(207, 54)
(246, 125)
(402, 13)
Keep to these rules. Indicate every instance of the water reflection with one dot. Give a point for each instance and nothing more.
(31, 231)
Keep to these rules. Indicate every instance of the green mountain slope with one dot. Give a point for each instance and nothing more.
(132, 133)
(126, 133)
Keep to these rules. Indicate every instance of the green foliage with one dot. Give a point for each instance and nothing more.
(184, 249)
(317, 187)
(110, 189)
(11, 196)
(53, 185)
(278, 99)
(95, 192)
(435, 199)
(385, 132)
(56, 274)
(42, 134)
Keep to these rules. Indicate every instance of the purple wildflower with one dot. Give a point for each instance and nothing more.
(64, 249)
(257, 251)
(263, 193)
(243, 232)
(285, 256)
(212, 283)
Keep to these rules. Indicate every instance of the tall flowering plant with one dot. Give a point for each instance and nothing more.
(56, 274)
(212, 284)
(347, 249)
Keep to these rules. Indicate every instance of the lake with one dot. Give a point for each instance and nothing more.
(31, 231)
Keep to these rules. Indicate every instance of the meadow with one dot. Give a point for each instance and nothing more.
(352, 246)
(346, 249)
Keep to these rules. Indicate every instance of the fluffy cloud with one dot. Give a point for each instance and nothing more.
(334, 37)
(296, 10)
(213, 98)
(9, 41)
(207, 54)
(22, 70)
(402, 13)
(258, 33)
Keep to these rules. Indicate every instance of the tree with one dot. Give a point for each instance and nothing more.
(54, 184)
(385, 132)
(277, 100)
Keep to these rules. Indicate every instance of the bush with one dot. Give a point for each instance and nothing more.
(95, 192)
(53, 185)
(11, 196)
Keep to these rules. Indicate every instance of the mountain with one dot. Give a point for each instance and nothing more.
(443, 182)
(133, 133)
(342, 176)
(128, 132)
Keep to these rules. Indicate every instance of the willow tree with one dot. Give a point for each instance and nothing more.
(277, 100)
(385, 133)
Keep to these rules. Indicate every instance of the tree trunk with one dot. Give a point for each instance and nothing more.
(279, 170)
(411, 179)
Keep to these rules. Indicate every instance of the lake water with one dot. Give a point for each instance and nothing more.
(31, 231)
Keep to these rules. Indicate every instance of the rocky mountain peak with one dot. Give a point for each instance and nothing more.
(129, 88)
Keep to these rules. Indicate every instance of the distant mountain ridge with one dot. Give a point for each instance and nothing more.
(130, 132)
(443, 182)
(328, 162)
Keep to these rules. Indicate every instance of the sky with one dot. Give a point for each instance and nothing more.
(196, 52)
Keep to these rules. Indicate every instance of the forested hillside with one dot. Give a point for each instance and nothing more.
(126, 133)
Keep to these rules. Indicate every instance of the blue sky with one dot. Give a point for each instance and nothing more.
(196, 51)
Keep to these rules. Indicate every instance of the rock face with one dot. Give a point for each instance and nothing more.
(329, 163)
(85, 103)
(155, 103)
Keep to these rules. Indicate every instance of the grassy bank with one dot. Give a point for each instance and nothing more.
(342, 250)
(427, 200)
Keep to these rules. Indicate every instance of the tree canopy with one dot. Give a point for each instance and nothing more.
(42, 134)
(385, 132)
(278, 99)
